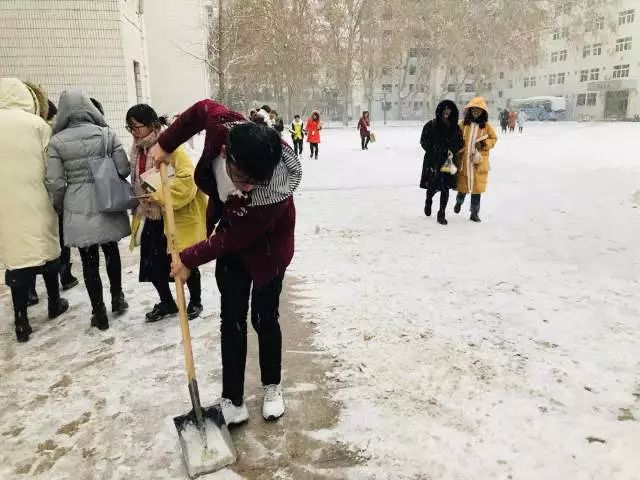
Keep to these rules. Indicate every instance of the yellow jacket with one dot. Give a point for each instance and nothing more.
(472, 177)
(189, 204)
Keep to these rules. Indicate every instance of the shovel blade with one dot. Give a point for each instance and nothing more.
(208, 447)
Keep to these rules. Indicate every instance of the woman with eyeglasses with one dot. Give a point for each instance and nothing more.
(148, 226)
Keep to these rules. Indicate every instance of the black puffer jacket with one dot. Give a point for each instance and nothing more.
(437, 139)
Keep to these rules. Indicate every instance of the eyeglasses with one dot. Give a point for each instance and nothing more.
(237, 176)
(134, 128)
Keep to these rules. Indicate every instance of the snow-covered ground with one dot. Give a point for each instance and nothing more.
(508, 349)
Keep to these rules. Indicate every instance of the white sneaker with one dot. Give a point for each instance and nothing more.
(273, 406)
(232, 414)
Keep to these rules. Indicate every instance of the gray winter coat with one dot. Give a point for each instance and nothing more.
(77, 138)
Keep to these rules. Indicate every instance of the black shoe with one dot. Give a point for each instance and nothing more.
(68, 282)
(457, 208)
(441, 219)
(118, 304)
(99, 318)
(33, 299)
(160, 311)
(194, 310)
(23, 329)
(427, 209)
(58, 308)
(475, 218)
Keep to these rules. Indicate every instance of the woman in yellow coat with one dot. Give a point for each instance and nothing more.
(473, 160)
(148, 226)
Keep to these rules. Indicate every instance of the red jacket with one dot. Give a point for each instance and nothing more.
(363, 126)
(262, 235)
(313, 130)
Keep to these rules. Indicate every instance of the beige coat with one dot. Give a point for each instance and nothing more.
(28, 222)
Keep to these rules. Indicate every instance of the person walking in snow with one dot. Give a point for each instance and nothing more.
(441, 140)
(314, 125)
(521, 119)
(512, 121)
(250, 175)
(297, 134)
(365, 130)
(504, 120)
(81, 134)
(479, 138)
(148, 222)
(29, 240)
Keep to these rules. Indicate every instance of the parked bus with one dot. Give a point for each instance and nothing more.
(541, 108)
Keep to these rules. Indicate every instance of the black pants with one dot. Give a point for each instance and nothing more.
(235, 285)
(21, 280)
(65, 259)
(365, 142)
(314, 148)
(297, 146)
(475, 201)
(194, 284)
(444, 197)
(90, 257)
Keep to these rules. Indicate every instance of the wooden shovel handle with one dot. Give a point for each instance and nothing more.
(182, 304)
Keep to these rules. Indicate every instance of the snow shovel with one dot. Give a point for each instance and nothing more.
(204, 437)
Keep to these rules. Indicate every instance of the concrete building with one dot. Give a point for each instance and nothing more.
(97, 46)
(591, 60)
(177, 37)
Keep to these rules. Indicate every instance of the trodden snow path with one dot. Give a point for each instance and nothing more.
(508, 349)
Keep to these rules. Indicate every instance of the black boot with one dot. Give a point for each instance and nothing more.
(427, 207)
(23, 329)
(194, 310)
(457, 207)
(118, 304)
(99, 318)
(474, 214)
(67, 280)
(441, 219)
(160, 311)
(33, 298)
(57, 308)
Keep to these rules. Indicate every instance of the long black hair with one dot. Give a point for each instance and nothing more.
(146, 115)
(481, 121)
(453, 116)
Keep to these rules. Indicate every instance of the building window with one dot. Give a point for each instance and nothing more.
(591, 99)
(553, 78)
(599, 23)
(620, 71)
(623, 44)
(469, 87)
(628, 16)
(451, 87)
(386, 87)
(584, 75)
(412, 70)
(413, 52)
(500, 94)
(526, 82)
(386, 71)
(138, 80)
(533, 81)
(597, 49)
(581, 99)
(594, 74)
(554, 57)
(510, 84)
(489, 86)
(501, 75)
(412, 88)
(556, 35)
(586, 51)
(565, 32)
(563, 55)
(561, 78)
(416, 105)
(422, 88)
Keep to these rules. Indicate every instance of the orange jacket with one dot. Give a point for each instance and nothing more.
(313, 130)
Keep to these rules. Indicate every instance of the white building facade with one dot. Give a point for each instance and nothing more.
(593, 62)
(97, 46)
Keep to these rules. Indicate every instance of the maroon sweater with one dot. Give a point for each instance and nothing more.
(263, 236)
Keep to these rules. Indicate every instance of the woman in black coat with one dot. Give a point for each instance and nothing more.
(441, 140)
